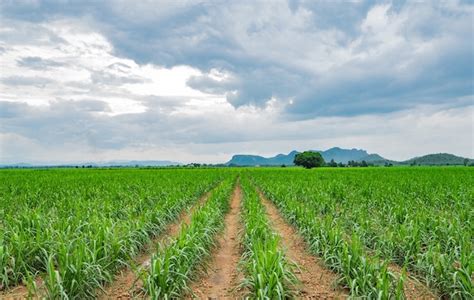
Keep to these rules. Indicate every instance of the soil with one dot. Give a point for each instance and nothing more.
(21, 291)
(317, 282)
(222, 276)
(413, 289)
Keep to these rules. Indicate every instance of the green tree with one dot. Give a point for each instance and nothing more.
(466, 161)
(309, 159)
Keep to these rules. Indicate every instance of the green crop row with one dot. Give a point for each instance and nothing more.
(174, 265)
(269, 275)
(362, 275)
(76, 228)
(418, 218)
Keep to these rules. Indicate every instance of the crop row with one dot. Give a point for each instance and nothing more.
(175, 264)
(364, 276)
(76, 229)
(269, 275)
(421, 220)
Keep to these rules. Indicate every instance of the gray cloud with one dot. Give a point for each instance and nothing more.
(275, 54)
(291, 72)
(38, 63)
(83, 129)
(318, 54)
(26, 80)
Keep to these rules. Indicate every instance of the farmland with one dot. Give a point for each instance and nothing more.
(371, 232)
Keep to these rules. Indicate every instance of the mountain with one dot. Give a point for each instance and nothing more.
(344, 155)
(373, 158)
(437, 159)
(336, 153)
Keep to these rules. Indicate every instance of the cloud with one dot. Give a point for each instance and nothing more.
(77, 63)
(201, 78)
(36, 81)
(393, 62)
(35, 62)
(82, 132)
(376, 59)
(360, 60)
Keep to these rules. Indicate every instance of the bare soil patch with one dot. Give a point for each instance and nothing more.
(222, 275)
(317, 282)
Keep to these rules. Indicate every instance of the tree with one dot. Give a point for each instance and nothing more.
(466, 161)
(309, 159)
(353, 163)
(364, 164)
(332, 163)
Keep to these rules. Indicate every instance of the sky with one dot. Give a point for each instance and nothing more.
(199, 81)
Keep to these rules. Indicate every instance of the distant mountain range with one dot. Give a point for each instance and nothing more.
(340, 155)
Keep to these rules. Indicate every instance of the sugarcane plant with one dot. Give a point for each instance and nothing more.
(268, 272)
(176, 263)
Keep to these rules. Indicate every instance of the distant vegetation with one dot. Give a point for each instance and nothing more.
(309, 159)
(337, 157)
(334, 157)
(438, 159)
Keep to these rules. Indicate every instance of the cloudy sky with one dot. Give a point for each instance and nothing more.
(201, 80)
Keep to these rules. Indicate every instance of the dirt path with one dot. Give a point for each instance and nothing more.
(317, 282)
(121, 287)
(223, 276)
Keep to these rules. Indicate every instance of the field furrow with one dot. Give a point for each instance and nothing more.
(412, 288)
(175, 265)
(268, 274)
(316, 282)
(222, 277)
(128, 282)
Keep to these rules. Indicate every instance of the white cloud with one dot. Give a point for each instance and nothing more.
(78, 64)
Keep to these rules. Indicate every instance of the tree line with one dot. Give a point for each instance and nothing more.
(310, 159)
